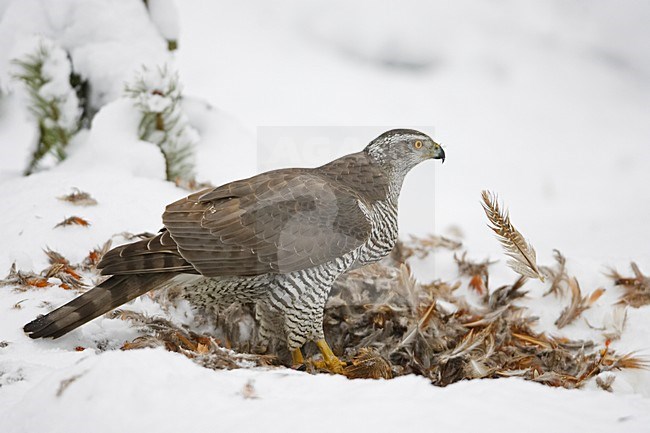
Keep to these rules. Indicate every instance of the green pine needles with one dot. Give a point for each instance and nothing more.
(157, 95)
(46, 74)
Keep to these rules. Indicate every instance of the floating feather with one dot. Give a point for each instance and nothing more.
(524, 260)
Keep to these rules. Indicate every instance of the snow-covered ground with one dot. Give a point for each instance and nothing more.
(545, 103)
(156, 390)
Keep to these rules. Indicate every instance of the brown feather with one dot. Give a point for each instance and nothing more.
(523, 255)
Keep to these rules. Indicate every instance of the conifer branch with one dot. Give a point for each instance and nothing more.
(157, 95)
(46, 74)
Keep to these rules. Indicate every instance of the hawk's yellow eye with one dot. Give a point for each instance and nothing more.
(418, 144)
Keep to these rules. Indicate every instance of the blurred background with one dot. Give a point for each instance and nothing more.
(546, 103)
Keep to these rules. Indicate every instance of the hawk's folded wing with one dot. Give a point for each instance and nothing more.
(276, 222)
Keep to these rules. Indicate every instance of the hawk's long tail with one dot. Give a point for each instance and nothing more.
(110, 294)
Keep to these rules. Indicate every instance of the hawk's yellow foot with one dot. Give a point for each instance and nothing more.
(296, 358)
(332, 363)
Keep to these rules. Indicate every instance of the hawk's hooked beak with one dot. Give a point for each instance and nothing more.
(438, 153)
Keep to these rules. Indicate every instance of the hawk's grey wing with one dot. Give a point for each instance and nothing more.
(276, 222)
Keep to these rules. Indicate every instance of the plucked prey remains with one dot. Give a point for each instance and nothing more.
(278, 240)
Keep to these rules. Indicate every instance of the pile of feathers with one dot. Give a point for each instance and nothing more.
(384, 323)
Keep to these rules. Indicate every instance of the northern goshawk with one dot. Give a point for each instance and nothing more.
(278, 239)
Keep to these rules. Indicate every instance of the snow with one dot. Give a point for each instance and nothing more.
(16, 126)
(56, 72)
(164, 15)
(544, 103)
(107, 40)
(283, 399)
(518, 98)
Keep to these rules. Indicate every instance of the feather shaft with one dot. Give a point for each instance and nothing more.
(521, 252)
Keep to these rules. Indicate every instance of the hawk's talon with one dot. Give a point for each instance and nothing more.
(335, 367)
(330, 362)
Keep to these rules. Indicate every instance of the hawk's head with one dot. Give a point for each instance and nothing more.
(403, 149)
